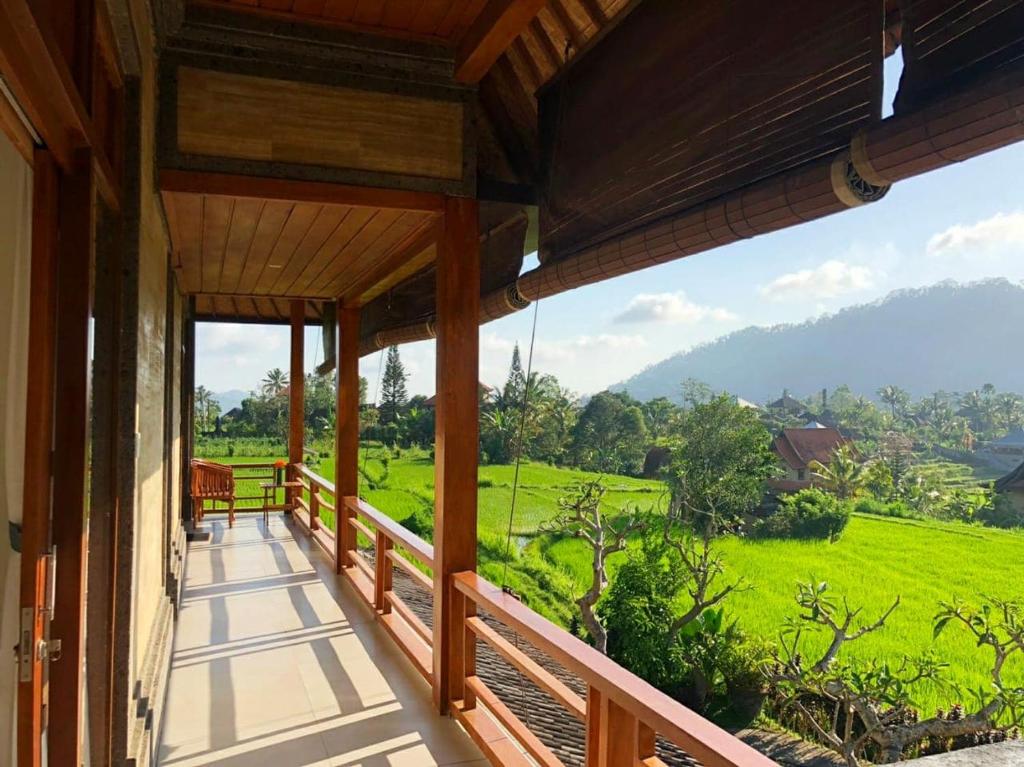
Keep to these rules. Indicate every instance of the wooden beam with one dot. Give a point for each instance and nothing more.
(296, 386)
(286, 190)
(499, 23)
(71, 453)
(346, 447)
(41, 373)
(35, 69)
(405, 260)
(456, 444)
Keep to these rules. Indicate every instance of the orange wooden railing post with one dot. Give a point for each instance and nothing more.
(296, 396)
(382, 574)
(456, 437)
(346, 452)
(314, 506)
(614, 736)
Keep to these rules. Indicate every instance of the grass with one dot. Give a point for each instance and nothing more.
(876, 559)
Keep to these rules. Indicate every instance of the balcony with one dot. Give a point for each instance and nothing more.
(280, 659)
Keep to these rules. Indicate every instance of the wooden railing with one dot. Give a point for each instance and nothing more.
(623, 715)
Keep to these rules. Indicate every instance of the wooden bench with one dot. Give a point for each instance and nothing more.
(212, 482)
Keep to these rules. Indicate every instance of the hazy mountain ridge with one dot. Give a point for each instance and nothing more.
(948, 336)
(228, 400)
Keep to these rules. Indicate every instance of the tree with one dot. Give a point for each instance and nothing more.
(515, 385)
(393, 393)
(843, 475)
(660, 415)
(580, 516)
(206, 409)
(274, 382)
(610, 435)
(721, 456)
(865, 705)
(894, 397)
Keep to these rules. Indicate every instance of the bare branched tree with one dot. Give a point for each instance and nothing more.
(868, 703)
(580, 516)
(704, 567)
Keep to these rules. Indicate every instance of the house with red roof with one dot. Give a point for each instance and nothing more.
(798, 448)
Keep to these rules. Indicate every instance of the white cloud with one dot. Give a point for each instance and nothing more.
(670, 308)
(830, 280)
(1000, 231)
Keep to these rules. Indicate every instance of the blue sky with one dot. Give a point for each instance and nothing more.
(963, 223)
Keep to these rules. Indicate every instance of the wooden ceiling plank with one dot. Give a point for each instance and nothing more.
(523, 60)
(369, 12)
(299, 222)
(216, 220)
(272, 221)
(309, 7)
(493, 31)
(545, 43)
(366, 238)
(309, 281)
(244, 222)
(399, 229)
(409, 249)
(328, 220)
(429, 16)
(565, 23)
(277, 5)
(340, 10)
(188, 243)
(222, 184)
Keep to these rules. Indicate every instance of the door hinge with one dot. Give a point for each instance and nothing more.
(28, 615)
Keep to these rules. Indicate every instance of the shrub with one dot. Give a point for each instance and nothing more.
(810, 513)
(883, 509)
(421, 523)
(1001, 513)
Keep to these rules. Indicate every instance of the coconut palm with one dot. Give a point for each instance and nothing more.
(274, 382)
(844, 475)
(894, 397)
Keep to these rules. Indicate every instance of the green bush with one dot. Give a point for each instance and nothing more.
(885, 509)
(1001, 513)
(810, 513)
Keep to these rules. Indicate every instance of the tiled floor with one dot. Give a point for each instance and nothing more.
(276, 662)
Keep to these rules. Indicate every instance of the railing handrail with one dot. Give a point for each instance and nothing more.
(308, 473)
(407, 539)
(699, 737)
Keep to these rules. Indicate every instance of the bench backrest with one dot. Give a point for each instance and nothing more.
(212, 480)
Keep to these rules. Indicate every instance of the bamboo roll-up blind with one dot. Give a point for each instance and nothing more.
(686, 102)
(950, 43)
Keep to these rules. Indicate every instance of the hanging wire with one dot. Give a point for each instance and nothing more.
(519, 447)
(376, 393)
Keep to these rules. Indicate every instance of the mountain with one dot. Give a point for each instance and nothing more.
(949, 336)
(228, 400)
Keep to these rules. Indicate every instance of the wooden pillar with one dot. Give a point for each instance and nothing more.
(42, 335)
(456, 438)
(71, 455)
(296, 389)
(346, 453)
(188, 412)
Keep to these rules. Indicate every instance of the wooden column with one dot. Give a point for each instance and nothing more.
(346, 453)
(296, 389)
(456, 438)
(71, 455)
(188, 412)
(42, 336)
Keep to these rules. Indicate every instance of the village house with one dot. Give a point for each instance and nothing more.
(798, 448)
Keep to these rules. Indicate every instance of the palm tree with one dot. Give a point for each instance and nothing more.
(894, 397)
(203, 397)
(274, 382)
(844, 475)
(1008, 406)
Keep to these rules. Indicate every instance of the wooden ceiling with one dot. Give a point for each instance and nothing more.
(249, 244)
(439, 20)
